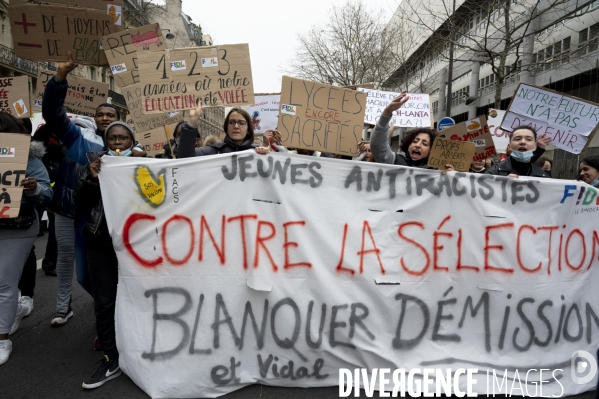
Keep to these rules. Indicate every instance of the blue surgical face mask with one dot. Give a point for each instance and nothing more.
(126, 153)
(521, 156)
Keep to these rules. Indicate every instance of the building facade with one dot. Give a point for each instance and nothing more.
(183, 33)
(561, 53)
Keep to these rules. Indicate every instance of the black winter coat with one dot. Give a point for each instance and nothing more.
(187, 145)
(88, 202)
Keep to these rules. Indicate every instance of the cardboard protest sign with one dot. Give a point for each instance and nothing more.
(15, 96)
(476, 131)
(415, 113)
(44, 32)
(111, 7)
(176, 80)
(14, 153)
(287, 293)
(152, 141)
(456, 153)
(83, 95)
(569, 120)
(121, 50)
(319, 117)
(265, 112)
(501, 137)
(141, 122)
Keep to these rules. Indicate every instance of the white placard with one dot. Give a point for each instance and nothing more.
(415, 113)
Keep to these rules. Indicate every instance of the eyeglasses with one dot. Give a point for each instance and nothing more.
(121, 138)
(240, 123)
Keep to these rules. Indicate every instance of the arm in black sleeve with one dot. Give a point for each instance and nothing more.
(187, 141)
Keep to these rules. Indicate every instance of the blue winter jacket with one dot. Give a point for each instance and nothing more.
(79, 141)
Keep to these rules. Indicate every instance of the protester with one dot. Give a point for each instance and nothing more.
(17, 235)
(171, 148)
(102, 260)
(416, 145)
(478, 166)
(545, 164)
(522, 145)
(55, 152)
(239, 135)
(365, 154)
(588, 170)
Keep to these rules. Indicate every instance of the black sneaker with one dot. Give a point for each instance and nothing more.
(108, 370)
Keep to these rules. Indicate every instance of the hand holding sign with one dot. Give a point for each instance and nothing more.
(28, 183)
(64, 68)
(396, 104)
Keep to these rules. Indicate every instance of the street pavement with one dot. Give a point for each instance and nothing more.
(51, 363)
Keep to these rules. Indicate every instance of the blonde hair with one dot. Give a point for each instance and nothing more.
(210, 140)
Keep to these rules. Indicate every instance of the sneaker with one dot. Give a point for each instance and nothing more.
(97, 345)
(62, 318)
(50, 272)
(109, 369)
(5, 349)
(27, 301)
(21, 312)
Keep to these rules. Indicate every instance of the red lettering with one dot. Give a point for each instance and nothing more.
(551, 229)
(494, 247)
(260, 243)
(241, 219)
(438, 248)
(219, 251)
(292, 244)
(340, 267)
(374, 250)
(459, 265)
(428, 259)
(584, 250)
(595, 244)
(135, 217)
(522, 228)
(184, 260)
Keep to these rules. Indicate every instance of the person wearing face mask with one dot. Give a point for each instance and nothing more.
(239, 135)
(588, 170)
(415, 146)
(102, 260)
(522, 146)
(478, 166)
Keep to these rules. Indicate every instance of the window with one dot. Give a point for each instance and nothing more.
(553, 56)
(588, 40)
(435, 107)
(104, 75)
(111, 83)
(92, 73)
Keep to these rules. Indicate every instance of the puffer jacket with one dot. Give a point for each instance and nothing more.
(187, 144)
(88, 202)
(504, 168)
(78, 141)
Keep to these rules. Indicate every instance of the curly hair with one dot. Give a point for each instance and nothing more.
(411, 135)
(248, 121)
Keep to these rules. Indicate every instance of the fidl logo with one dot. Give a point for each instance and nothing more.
(7, 152)
(118, 68)
(288, 109)
(178, 65)
(584, 195)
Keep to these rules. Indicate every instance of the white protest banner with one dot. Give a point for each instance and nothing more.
(569, 120)
(415, 113)
(501, 138)
(265, 112)
(281, 269)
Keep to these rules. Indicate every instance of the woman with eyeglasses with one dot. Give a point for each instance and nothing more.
(239, 135)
